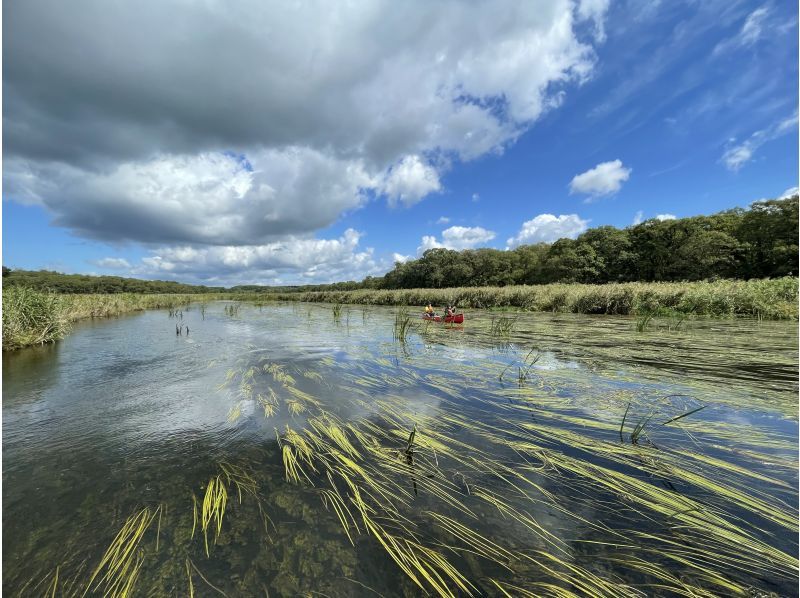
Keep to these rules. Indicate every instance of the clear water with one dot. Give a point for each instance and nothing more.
(125, 414)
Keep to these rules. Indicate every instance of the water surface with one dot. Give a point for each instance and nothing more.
(519, 478)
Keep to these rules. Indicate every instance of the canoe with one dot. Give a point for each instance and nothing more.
(456, 319)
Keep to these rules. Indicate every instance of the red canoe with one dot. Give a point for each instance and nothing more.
(456, 319)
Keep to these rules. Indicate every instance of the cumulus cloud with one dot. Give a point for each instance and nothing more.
(443, 220)
(400, 258)
(738, 154)
(546, 228)
(294, 260)
(663, 217)
(790, 192)
(604, 179)
(113, 263)
(409, 181)
(210, 198)
(458, 238)
(262, 122)
(365, 90)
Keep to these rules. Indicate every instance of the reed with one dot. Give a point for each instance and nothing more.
(502, 326)
(32, 318)
(768, 299)
(232, 310)
(337, 311)
(402, 325)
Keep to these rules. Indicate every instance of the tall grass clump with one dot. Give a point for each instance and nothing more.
(337, 311)
(503, 326)
(32, 317)
(402, 325)
(232, 310)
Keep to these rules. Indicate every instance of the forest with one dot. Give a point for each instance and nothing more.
(759, 242)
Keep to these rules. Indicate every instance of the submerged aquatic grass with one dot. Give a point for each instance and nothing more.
(119, 567)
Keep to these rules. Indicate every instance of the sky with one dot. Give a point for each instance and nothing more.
(265, 142)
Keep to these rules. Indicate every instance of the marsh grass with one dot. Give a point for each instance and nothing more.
(663, 318)
(232, 310)
(336, 310)
(523, 366)
(768, 299)
(402, 325)
(32, 318)
(502, 326)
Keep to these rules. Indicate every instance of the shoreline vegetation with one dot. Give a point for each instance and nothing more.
(32, 317)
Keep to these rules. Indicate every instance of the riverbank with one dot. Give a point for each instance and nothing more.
(769, 299)
(32, 317)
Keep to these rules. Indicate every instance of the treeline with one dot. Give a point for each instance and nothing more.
(760, 242)
(45, 280)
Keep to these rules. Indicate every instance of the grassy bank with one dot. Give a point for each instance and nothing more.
(32, 317)
(771, 299)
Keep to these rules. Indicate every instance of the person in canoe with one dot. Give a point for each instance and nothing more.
(429, 311)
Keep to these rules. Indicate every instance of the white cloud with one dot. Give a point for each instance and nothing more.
(428, 242)
(753, 24)
(443, 220)
(663, 217)
(594, 10)
(476, 197)
(790, 192)
(458, 238)
(737, 155)
(752, 30)
(637, 219)
(325, 101)
(409, 181)
(113, 263)
(211, 198)
(399, 257)
(546, 228)
(295, 260)
(604, 179)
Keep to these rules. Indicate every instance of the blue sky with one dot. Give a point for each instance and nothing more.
(308, 166)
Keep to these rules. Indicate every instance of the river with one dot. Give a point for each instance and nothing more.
(570, 454)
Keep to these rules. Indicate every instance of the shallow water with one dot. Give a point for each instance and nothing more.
(125, 414)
